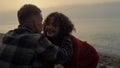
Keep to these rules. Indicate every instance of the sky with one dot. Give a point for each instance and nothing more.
(74, 9)
(7, 5)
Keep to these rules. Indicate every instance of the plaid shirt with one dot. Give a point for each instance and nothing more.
(23, 48)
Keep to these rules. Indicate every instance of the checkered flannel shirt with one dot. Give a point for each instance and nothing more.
(22, 48)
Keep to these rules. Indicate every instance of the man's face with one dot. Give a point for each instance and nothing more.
(38, 23)
(52, 28)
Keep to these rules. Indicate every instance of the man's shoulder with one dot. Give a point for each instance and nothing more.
(29, 37)
(13, 36)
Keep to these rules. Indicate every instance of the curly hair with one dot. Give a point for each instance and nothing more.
(66, 26)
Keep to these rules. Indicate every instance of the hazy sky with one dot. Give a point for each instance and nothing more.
(75, 9)
(7, 5)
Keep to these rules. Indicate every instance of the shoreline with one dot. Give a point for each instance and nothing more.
(106, 60)
(109, 60)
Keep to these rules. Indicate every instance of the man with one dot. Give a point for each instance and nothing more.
(26, 47)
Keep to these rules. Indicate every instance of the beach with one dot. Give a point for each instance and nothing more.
(106, 60)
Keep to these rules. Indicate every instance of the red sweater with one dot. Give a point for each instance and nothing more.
(84, 55)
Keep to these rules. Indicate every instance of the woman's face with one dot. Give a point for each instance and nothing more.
(52, 28)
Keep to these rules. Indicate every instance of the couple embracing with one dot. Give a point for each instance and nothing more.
(27, 47)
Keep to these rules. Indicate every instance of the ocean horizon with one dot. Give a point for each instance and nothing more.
(103, 34)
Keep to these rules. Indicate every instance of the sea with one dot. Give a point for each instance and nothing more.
(102, 34)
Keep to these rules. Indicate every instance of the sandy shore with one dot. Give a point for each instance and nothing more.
(106, 60)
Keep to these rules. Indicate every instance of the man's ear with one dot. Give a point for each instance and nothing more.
(33, 25)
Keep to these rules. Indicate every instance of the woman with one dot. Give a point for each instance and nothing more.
(57, 26)
(51, 30)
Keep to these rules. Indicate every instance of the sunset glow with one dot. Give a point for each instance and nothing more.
(15, 4)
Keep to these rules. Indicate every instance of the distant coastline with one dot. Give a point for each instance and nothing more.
(106, 60)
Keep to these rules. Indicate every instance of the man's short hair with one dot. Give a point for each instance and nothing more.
(27, 11)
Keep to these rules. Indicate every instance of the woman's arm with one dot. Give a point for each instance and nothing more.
(58, 54)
